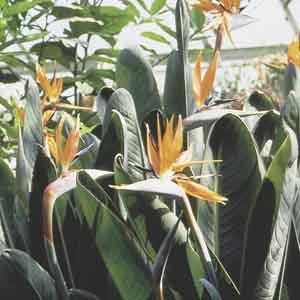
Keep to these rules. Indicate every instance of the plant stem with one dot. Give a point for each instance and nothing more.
(75, 72)
(200, 240)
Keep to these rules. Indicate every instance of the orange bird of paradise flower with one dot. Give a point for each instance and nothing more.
(222, 8)
(64, 152)
(52, 91)
(168, 162)
(294, 52)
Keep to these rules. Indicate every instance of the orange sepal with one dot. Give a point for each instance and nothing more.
(199, 191)
(208, 6)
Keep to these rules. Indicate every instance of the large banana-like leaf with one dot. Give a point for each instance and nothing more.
(102, 100)
(7, 195)
(260, 101)
(290, 284)
(268, 224)
(176, 87)
(184, 268)
(44, 172)
(182, 20)
(239, 179)
(269, 133)
(135, 74)
(33, 130)
(23, 175)
(75, 294)
(291, 112)
(122, 135)
(161, 260)
(21, 277)
(122, 102)
(23, 184)
(291, 80)
(209, 116)
(116, 247)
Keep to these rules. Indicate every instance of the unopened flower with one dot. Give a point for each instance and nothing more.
(203, 86)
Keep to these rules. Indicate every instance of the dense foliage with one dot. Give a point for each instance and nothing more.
(199, 203)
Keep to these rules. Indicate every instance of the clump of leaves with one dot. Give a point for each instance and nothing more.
(101, 218)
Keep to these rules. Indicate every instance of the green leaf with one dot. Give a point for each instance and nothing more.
(112, 142)
(291, 80)
(63, 239)
(57, 51)
(135, 74)
(269, 128)
(174, 89)
(155, 218)
(80, 26)
(182, 29)
(21, 7)
(154, 186)
(212, 291)
(260, 101)
(159, 266)
(13, 61)
(291, 114)
(143, 5)
(23, 278)
(7, 194)
(198, 18)
(291, 285)
(69, 11)
(184, 266)
(7, 184)
(102, 101)
(23, 174)
(196, 270)
(76, 294)
(133, 148)
(167, 29)
(223, 226)
(44, 172)
(116, 248)
(155, 37)
(23, 183)
(156, 6)
(268, 224)
(208, 117)
(33, 131)
(6, 103)
(95, 78)
(24, 39)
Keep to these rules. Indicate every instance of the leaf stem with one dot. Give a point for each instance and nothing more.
(200, 240)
